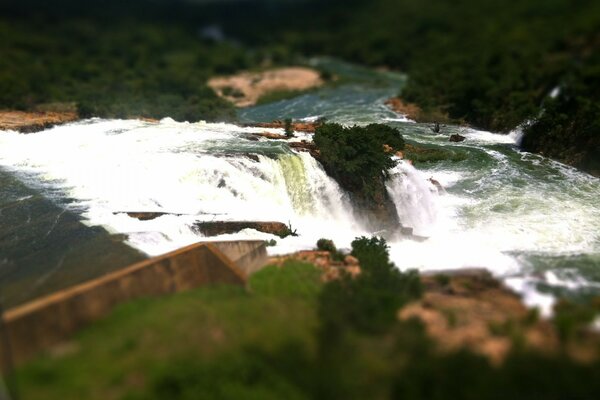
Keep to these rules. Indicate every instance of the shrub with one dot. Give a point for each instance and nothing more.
(326, 245)
(355, 156)
(369, 302)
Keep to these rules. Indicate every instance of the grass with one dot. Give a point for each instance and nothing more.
(130, 350)
(291, 336)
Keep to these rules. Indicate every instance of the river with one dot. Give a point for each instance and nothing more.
(531, 221)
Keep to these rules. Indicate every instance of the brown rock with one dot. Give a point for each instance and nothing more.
(29, 122)
(350, 260)
(145, 215)
(457, 138)
(270, 135)
(214, 228)
(305, 146)
(308, 127)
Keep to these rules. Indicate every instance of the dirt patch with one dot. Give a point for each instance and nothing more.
(246, 88)
(33, 121)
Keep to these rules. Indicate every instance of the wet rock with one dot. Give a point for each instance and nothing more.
(270, 135)
(308, 127)
(214, 228)
(437, 185)
(146, 215)
(457, 138)
(303, 145)
(253, 157)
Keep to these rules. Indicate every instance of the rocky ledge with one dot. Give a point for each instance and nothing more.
(214, 228)
(307, 127)
(416, 113)
(34, 121)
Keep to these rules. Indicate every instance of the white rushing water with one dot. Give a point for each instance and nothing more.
(494, 212)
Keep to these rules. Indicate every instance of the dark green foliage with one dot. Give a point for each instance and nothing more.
(355, 156)
(289, 231)
(116, 69)
(569, 127)
(326, 245)
(570, 318)
(369, 302)
(288, 128)
(442, 279)
(247, 375)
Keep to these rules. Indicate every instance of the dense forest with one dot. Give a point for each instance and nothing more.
(489, 63)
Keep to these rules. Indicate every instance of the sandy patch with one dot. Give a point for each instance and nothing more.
(244, 89)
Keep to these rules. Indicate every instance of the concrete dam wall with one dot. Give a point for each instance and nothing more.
(46, 321)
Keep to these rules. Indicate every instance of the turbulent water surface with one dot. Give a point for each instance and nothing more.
(531, 221)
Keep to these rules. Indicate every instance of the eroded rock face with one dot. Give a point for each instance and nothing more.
(214, 228)
(33, 121)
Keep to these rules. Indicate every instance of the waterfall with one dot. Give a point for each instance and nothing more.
(414, 198)
(193, 172)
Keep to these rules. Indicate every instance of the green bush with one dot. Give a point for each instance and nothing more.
(355, 156)
(369, 302)
(326, 245)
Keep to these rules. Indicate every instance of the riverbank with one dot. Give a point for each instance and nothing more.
(227, 342)
(34, 121)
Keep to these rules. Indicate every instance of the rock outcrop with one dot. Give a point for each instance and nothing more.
(331, 269)
(146, 215)
(456, 138)
(471, 309)
(214, 228)
(33, 121)
(308, 127)
(416, 113)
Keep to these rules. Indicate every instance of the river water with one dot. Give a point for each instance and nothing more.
(531, 221)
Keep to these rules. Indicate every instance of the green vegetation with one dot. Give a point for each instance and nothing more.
(328, 245)
(568, 129)
(570, 318)
(367, 304)
(355, 156)
(291, 336)
(489, 63)
(288, 128)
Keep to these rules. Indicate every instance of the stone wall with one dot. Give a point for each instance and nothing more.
(44, 322)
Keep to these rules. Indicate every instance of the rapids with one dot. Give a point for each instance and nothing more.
(531, 221)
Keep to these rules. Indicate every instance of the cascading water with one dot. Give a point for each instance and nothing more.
(415, 198)
(195, 172)
(531, 221)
